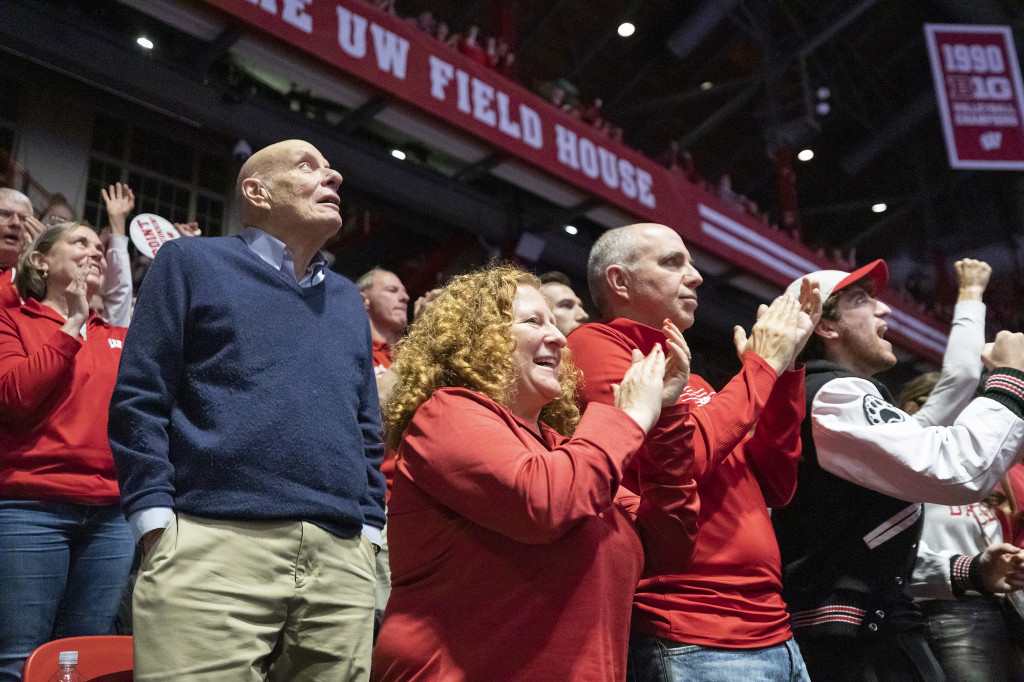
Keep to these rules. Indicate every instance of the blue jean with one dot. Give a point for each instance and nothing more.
(63, 569)
(657, 660)
(970, 638)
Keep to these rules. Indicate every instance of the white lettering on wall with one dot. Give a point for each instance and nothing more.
(351, 33)
(462, 81)
(392, 51)
(294, 12)
(626, 172)
(643, 185)
(506, 125)
(483, 98)
(588, 158)
(533, 134)
(608, 171)
(441, 74)
(565, 139)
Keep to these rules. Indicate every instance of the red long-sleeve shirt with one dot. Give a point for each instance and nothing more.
(509, 559)
(730, 595)
(54, 394)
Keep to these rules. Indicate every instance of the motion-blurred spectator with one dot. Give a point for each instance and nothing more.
(470, 46)
(57, 210)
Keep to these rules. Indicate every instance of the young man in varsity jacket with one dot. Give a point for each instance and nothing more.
(849, 537)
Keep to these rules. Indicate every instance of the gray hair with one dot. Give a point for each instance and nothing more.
(366, 280)
(29, 279)
(614, 247)
(14, 195)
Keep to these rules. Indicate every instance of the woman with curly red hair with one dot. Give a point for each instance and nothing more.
(514, 555)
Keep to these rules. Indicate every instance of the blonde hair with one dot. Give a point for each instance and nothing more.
(464, 339)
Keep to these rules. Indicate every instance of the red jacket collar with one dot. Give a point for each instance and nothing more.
(643, 336)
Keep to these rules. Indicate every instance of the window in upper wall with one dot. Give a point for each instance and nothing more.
(169, 177)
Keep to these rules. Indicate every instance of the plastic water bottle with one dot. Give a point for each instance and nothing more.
(67, 668)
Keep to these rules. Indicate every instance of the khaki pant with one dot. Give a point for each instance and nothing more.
(228, 600)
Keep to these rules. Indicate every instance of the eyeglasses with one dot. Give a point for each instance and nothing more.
(6, 215)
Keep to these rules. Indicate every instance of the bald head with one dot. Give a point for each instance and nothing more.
(286, 182)
(643, 272)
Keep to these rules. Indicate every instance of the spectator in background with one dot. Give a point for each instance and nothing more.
(720, 617)
(18, 227)
(510, 558)
(387, 306)
(966, 625)
(246, 430)
(469, 45)
(57, 210)
(563, 301)
(65, 549)
(849, 538)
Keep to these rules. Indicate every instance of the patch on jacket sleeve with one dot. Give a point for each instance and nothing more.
(878, 411)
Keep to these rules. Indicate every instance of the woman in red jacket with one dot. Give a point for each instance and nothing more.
(65, 548)
(512, 557)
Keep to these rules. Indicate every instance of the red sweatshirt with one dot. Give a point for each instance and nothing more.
(8, 294)
(54, 394)
(509, 559)
(730, 595)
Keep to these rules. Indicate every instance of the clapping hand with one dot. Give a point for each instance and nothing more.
(677, 364)
(774, 335)
(640, 393)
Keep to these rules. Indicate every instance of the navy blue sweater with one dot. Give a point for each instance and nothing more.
(242, 396)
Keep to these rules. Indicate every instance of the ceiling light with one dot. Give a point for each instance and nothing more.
(878, 208)
(823, 108)
(398, 154)
(571, 229)
(626, 29)
(805, 155)
(145, 42)
(707, 85)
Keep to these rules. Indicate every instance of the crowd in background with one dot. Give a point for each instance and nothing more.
(607, 517)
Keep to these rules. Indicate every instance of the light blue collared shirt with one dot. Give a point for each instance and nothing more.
(276, 254)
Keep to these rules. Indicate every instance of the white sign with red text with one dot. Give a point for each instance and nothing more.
(148, 231)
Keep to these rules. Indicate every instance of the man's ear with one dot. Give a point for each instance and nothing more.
(256, 193)
(617, 279)
(366, 300)
(827, 329)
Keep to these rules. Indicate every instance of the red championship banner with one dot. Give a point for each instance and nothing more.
(981, 101)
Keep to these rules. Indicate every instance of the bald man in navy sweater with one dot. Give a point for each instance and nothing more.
(245, 428)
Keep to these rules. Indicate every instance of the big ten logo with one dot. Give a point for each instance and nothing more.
(973, 72)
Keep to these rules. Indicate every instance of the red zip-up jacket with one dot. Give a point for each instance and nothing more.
(54, 394)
